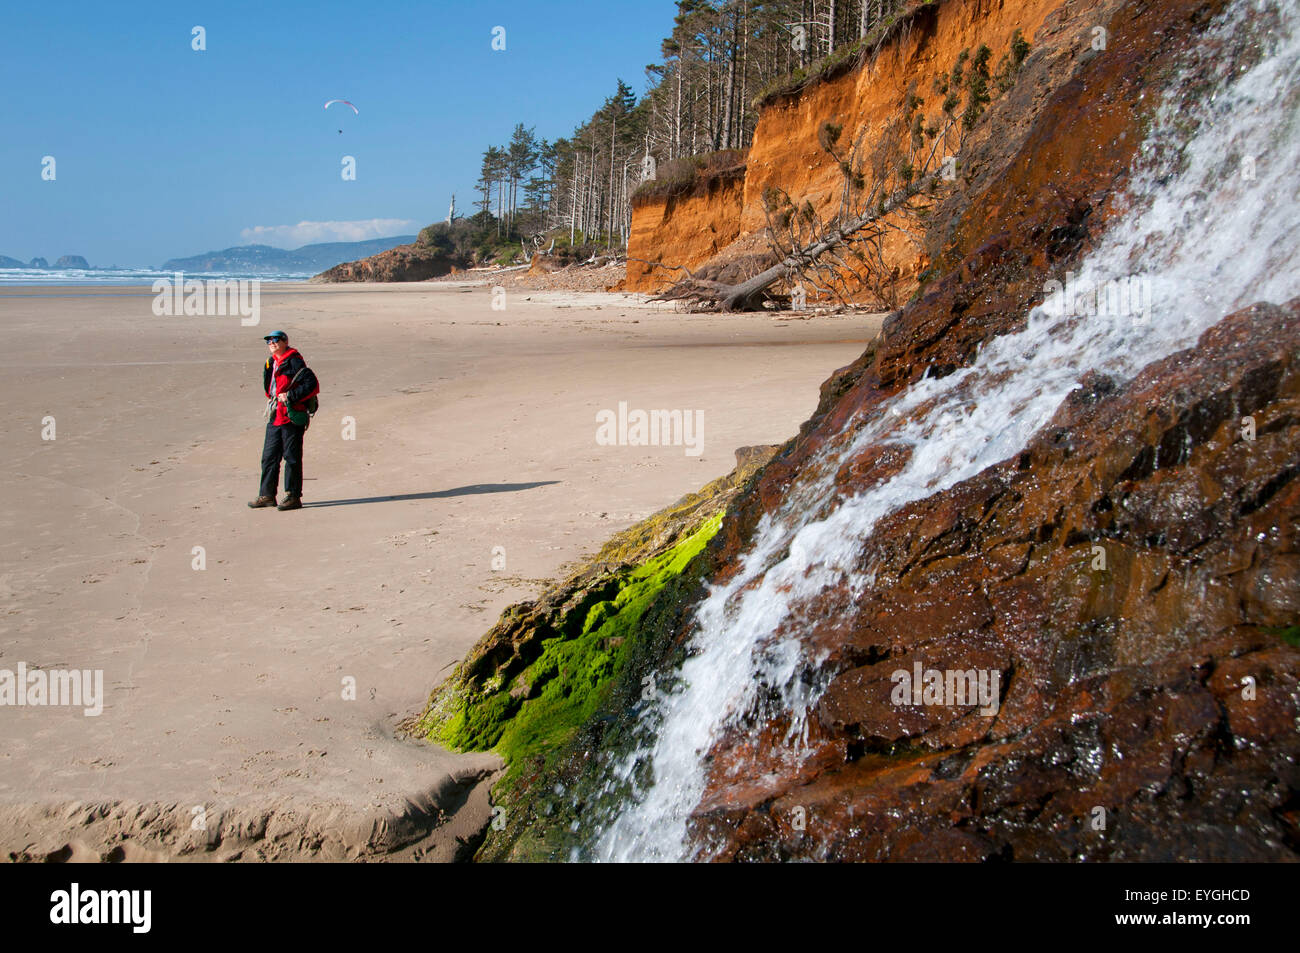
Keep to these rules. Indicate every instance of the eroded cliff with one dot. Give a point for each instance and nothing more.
(923, 45)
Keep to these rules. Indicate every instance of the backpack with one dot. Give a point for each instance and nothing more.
(301, 418)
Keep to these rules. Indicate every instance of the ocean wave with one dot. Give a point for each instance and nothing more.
(128, 276)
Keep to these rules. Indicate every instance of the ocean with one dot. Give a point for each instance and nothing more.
(125, 276)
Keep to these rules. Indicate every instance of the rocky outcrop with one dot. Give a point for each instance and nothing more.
(72, 261)
(1133, 579)
(516, 640)
(413, 262)
(38, 263)
(528, 686)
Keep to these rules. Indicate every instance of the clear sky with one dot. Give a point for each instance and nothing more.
(162, 151)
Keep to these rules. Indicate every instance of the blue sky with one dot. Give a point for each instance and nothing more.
(162, 151)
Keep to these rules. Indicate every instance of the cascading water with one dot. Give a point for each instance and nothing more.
(1212, 227)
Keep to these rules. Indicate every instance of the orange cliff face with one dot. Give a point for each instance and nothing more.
(681, 230)
(786, 155)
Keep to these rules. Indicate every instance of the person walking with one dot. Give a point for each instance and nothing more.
(288, 383)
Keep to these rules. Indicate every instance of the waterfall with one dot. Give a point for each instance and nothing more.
(1211, 226)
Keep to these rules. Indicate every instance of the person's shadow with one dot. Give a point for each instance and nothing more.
(471, 490)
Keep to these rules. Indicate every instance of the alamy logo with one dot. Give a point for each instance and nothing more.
(654, 428)
(208, 298)
(82, 688)
(949, 687)
(1129, 296)
(103, 906)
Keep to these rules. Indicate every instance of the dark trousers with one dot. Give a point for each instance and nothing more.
(282, 441)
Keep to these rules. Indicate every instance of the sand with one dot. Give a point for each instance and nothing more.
(225, 733)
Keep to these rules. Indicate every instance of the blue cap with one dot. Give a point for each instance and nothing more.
(276, 334)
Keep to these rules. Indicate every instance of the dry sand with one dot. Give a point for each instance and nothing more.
(224, 732)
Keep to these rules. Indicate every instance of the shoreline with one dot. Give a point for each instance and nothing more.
(475, 430)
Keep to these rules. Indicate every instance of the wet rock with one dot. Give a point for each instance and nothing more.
(1128, 573)
(1149, 694)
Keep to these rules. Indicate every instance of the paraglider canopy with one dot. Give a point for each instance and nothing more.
(345, 103)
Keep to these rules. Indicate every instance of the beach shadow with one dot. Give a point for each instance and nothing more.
(471, 490)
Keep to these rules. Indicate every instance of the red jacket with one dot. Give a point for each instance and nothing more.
(283, 372)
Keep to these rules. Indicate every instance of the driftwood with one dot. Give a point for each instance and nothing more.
(749, 295)
(537, 248)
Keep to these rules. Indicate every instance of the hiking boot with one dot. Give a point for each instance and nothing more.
(262, 501)
(290, 502)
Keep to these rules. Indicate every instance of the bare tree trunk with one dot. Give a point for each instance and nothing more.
(577, 174)
(803, 53)
(744, 76)
(627, 212)
(592, 208)
(677, 124)
(612, 129)
(710, 127)
(724, 141)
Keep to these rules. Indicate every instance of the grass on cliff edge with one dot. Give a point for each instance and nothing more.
(692, 175)
(574, 671)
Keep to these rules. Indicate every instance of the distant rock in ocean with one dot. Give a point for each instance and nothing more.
(71, 261)
(7, 262)
(39, 263)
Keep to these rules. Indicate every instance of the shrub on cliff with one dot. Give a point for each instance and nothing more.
(456, 240)
(839, 61)
(692, 174)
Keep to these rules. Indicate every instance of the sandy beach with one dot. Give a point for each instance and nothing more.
(228, 638)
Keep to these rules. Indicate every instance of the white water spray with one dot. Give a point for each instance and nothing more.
(1213, 227)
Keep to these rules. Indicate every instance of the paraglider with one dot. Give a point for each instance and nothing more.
(354, 109)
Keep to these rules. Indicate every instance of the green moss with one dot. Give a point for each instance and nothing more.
(1289, 635)
(530, 719)
(477, 725)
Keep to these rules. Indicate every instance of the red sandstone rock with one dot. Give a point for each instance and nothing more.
(1152, 691)
(1153, 696)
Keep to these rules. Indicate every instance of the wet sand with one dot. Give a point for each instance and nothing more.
(224, 721)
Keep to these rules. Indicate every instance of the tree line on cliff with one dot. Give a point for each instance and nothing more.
(721, 61)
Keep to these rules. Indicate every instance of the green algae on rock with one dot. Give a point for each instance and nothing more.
(538, 710)
(545, 668)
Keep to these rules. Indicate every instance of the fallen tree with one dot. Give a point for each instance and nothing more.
(749, 295)
(887, 187)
